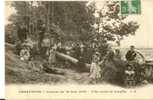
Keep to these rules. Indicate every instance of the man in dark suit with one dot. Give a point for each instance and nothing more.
(131, 54)
(22, 33)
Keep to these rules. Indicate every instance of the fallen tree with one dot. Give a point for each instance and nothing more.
(71, 59)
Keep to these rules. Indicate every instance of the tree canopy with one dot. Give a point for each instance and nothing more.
(111, 25)
(74, 20)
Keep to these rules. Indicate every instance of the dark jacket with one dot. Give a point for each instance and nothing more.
(22, 34)
(130, 55)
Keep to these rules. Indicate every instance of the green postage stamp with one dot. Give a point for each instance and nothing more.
(130, 7)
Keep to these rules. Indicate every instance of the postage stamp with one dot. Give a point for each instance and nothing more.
(130, 7)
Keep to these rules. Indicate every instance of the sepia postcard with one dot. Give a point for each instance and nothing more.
(74, 50)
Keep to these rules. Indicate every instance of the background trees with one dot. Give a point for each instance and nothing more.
(72, 18)
(73, 21)
(110, 25)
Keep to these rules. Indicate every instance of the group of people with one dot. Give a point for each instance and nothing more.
(97, 64)
(24, 50)
(97, 61)
(132, 71)
(135, 69)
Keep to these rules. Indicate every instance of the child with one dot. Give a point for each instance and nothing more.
(129, 76)
(95, 70)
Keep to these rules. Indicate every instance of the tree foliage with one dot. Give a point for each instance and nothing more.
(72, 18)
(75, 20)
(111, 25)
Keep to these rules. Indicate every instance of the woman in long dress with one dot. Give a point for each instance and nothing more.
(95, 70)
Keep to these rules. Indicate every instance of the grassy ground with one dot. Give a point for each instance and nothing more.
(18, 71)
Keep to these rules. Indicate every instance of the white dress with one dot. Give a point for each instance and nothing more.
(95, 71)
(24, 54)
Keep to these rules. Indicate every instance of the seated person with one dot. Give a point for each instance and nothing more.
(25, 53)
(129, 77)
(131, 54)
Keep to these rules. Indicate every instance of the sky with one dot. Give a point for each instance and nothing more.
(143, 36)
(8, 11)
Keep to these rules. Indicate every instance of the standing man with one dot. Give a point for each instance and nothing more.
(41, 33)
(76, 51)
(22, 32)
